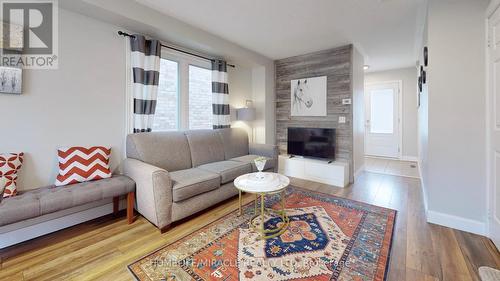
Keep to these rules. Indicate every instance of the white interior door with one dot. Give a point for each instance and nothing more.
(382, 119)
(493, 128)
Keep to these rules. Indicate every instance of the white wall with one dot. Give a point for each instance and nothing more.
(455, 182)
(409, 104)
(423, 124)
(240, 89)
(358, 101)
(249, 84)
(267, 94)
(131, 15)
(264, 124)
(82, 102)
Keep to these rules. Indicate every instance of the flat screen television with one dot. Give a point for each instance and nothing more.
(311, 142)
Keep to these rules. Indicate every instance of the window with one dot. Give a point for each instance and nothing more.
(382, 111)
(167, 104)
(184, 93)
(200, 98)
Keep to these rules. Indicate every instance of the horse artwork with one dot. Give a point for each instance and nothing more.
(308, 96)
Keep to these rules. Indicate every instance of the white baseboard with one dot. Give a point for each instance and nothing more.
(359, 171)
(464, 224)
(23, 234)
(424, 191)
(409, 158)
(459, 223)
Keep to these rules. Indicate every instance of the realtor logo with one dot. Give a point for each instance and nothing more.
(29, 34)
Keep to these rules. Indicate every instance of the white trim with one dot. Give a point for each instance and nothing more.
(400, 120)
(183, 95)
(490, 111)
(409, 158)
(424, 193)
(183, 62)
(400, 113)
(403, 158)
(380, 157)
(359, 171)
(489, 176)
(464, 224)
(23, 234)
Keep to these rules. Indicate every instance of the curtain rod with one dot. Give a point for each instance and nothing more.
(175, 49)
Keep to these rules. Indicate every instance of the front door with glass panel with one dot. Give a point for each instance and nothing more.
(382, 119)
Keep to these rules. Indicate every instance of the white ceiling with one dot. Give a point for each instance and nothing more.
(384, 31)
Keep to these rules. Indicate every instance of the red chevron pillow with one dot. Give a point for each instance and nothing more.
(10, 163)
(81, 164)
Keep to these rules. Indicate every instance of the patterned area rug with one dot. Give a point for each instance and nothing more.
(329, 238)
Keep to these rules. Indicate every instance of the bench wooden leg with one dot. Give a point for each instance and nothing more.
(116, 205)
(130, 207)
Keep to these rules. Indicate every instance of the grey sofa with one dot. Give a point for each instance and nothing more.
(178, 174)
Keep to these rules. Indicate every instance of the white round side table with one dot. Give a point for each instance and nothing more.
(264, 183)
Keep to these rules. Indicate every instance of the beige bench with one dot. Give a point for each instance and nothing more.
(43, 205)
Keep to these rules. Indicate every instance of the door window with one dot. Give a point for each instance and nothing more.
(382, 111)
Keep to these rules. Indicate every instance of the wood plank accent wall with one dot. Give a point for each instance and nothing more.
(336, 64)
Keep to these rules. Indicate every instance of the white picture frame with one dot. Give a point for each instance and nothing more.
(308, 96)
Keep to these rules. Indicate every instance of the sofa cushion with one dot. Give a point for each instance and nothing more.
(228, 170)
(54, 199)
(270, 163)
(191, 182)
(206, 146)
(166, 150)
(235, 142)
(20, 207)
(45, 200)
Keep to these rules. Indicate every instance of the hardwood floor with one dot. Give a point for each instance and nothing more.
(101, 249)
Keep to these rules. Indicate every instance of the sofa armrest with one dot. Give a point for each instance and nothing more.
(153, 191)
(266, 150)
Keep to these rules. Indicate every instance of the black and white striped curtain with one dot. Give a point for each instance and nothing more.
(145, 61)
(220, 95)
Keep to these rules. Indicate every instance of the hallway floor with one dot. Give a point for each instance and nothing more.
(392, 167)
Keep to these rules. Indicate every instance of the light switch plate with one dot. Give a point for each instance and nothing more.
(346, 101)
(341, 119)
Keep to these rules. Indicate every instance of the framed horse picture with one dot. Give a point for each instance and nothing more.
(308, 96)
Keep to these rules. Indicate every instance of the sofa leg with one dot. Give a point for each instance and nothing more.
(130, 207)
(116, 202)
